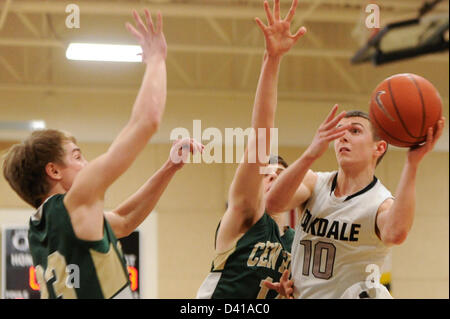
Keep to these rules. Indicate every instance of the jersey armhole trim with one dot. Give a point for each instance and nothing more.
(374, 222)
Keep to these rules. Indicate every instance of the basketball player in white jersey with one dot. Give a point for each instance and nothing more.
(350, 220)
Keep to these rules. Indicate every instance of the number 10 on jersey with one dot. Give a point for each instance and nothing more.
(322, 268)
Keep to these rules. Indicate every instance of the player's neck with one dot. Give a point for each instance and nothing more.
(350, 182)
(56, 189)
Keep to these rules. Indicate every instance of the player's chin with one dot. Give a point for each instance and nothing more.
(344, 160)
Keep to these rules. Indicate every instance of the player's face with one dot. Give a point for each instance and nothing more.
(357, 146)
(74, 162)
(273, 171)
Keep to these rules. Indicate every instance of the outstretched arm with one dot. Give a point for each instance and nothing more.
(132, 212)
(395, 217)
(246, 204)
(295, 185)
(84, 200)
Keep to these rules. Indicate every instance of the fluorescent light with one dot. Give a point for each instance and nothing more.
(37, 125)
(104, 52)
(23, 125)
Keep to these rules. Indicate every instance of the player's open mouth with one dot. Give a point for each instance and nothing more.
(344, 149)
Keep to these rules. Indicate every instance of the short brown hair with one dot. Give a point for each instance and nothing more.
(356, 113)
(24, 163)
(277, 159)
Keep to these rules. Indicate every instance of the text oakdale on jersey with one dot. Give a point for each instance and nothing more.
(324, 228)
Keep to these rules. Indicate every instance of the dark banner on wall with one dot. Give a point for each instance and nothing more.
(18, 274)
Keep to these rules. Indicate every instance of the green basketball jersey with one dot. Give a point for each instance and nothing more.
(68, 267)
(261, 254)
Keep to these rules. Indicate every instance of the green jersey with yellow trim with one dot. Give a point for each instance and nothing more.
(260, 254)
(68, 267)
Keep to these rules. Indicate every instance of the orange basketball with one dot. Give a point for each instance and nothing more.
(403, 107)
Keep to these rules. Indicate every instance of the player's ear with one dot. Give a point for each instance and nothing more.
(380, 147)
(53, 171)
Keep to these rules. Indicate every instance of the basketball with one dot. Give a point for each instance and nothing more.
(403, 107)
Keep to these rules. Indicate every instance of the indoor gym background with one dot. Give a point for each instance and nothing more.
(215, 52)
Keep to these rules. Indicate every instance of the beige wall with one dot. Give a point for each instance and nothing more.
(93, 101)
(178, 239)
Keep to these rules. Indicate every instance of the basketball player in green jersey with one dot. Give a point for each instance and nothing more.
(72, 239)
(250, 246)
(350, 219)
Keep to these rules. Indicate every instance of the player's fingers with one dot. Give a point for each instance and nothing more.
(159, 23)
(175, 155)
(331, 115)
(261, 25)
(285, 276)
(186, 149)
(276, 10)
(148, 20)
(440, 129)
(334, 136)
(287, 284)
(430, 140)
(195, 148)
(139, 22)
(333, 122)
(198, 146)
(337, 129)
(286, 289)
(268, 13)
(430, 134)
(192, 146)
(289, 291)
(133, 31)
(181, 144)
(433, 137)
(301, 32)
(271, 285)
(291, 12)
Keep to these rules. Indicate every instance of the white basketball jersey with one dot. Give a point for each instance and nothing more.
(335, 240)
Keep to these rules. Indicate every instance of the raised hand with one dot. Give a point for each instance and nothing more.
(151, 40)
(180, 150)
(277, 33)
(327, 132)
